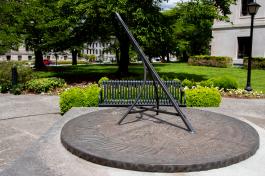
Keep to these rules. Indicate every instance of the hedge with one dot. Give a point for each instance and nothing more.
(256, 63)
(79, 97)
(213, 61)
(203, 97)
(224, 82)
(44, 84)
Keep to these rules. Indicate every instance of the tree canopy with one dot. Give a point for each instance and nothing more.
(58, 25)
(9, 34)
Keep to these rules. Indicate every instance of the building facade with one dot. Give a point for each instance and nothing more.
(22, 54)
(233, 38)
(100, 50)
(97, 48)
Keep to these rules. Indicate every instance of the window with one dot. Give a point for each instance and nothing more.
(96, 51)
(19, 58)
(244, 10)
(29, 58)
(243, 47)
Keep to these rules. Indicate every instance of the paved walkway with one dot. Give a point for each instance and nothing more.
(23, 119)
(47, 156)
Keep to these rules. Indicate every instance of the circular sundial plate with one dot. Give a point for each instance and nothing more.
(160, 143)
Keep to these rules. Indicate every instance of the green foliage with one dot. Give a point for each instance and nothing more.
(192, 26)
(73, 97)
(91, 95)
(102, 79)
(188, 83)
(164, 78)
(79, 97)
(203, 97)
(93, 72)
(177, 80)
(24, 74)
(224, 82)
(256, 63)
(214, 61)
(17, 89)
(5, 87)
(9, 28)
(44, 84)
(207, 83)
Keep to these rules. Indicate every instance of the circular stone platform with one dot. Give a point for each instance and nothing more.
(152, 144)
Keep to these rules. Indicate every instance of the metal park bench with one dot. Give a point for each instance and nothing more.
(122, 93)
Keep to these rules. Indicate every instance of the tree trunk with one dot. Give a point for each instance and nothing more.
(168, 57)
(74, 57)
(38, 59)
(124, 49)
(185, 56)
(124, 57)
(117, 52)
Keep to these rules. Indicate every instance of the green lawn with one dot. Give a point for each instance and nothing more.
(92, 73)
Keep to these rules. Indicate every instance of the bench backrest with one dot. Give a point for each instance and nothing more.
(124, 93)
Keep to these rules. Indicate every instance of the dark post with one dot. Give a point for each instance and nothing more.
(248, 86)
(56, 58)
(14, 75)
(252, 10)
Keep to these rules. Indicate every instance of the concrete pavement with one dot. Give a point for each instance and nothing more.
(47, 156)
(23, 119)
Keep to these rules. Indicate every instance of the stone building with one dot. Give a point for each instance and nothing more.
(100, 50)
(232, 38)
(22, 54)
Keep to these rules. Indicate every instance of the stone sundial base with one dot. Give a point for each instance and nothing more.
(153, 144)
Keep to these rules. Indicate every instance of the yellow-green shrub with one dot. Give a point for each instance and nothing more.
(44, 84)
(79, 97)
(203, 97)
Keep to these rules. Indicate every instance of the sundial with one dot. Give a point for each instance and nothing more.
(170, 140)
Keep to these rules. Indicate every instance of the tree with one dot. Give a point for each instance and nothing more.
(191, 23)
(35, 16)
(64, 24)
(9, 38)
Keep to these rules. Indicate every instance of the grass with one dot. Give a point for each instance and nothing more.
(92, 73)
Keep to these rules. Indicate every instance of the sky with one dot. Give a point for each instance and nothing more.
(170, 4)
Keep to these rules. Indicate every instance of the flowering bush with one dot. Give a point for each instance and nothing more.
(241, 93)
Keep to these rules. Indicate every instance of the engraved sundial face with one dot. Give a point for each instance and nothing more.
(149, 144)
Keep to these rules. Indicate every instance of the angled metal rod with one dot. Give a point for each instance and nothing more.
(130, 109)
(154, 74)
(156, 96)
